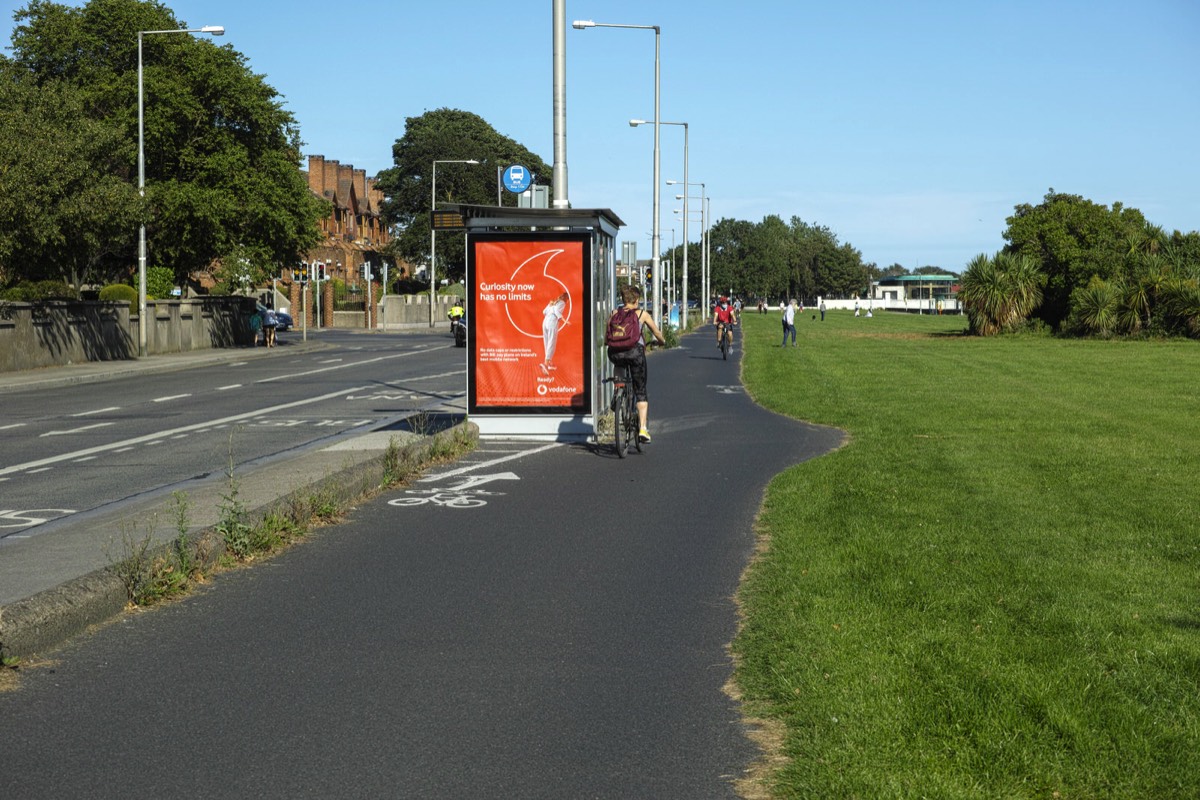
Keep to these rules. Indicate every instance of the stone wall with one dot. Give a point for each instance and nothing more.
(54, 333)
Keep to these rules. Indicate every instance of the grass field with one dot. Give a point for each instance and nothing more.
(993, 589)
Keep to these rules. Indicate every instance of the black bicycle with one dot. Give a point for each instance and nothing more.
(726, 334)
(624, 408)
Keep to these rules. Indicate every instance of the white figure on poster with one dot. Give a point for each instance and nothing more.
(552, 315)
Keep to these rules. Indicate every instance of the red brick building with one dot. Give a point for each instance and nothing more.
(354, 232)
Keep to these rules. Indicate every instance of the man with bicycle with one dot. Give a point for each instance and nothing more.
(630, 353)
(724, 317)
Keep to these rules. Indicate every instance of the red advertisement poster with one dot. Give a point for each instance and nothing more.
(528, 320)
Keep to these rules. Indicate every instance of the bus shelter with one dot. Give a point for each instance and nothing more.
(541, 284)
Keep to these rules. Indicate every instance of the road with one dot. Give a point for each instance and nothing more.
(534, 621)
(79, 448)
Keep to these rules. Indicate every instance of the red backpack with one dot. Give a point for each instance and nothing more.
(624, 330)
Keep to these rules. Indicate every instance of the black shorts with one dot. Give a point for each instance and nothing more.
(635, 358)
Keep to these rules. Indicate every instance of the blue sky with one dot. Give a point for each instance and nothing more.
(909, 129)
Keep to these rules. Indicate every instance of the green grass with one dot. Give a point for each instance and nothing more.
(993, 589)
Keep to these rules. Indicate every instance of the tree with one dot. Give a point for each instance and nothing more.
(443, 135)
(1073, 239)
(222, 155)
(68, 215)
(1001, 292)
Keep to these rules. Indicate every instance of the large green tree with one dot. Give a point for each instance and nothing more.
(446, 135)
(68, 215)
(222, 155)
(1074, 240)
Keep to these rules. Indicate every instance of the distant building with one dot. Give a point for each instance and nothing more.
(915, 287)
(354, 232)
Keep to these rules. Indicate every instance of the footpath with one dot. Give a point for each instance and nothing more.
(57, 583)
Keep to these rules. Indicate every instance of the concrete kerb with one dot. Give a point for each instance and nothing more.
(52, 617)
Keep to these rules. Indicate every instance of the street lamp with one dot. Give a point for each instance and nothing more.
(684, 197)
(215, 30)
(581, 24)
(635, 123)
(433, 232)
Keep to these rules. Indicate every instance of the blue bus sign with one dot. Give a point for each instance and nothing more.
(517, 178)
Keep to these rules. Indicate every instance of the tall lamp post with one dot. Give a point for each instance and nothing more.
(215, 30)
(581, 24)
(634, 123)
(433, 232)
(684, 197)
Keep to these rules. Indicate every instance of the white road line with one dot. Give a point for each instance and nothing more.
(43, 469)
(352, 364)
(230, 386)
(492, 463)
(14, 425)
(129, 444)
(97, 411)
(169, 397)
(77, 430)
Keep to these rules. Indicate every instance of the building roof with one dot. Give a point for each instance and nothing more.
(919, 279)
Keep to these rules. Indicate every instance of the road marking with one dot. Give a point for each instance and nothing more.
(169, 397)
(230, 386)
(726, 389)
(14, 425)
(129, 444)
(25, 519)
(481, 465)
(78, 430)
(352, 364)
(97, 411)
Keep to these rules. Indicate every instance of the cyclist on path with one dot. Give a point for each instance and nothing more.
(635, 356)
(724, 313)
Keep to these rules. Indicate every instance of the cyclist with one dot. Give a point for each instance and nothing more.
(635, 357)
(724, 317)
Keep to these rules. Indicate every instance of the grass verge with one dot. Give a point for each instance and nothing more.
(991, 590)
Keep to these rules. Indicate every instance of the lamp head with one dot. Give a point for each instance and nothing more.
(215, 30)
(580, 24)
(633, 123)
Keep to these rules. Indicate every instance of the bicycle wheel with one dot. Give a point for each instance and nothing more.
(633, 426)
(619, 414)
(725, 346)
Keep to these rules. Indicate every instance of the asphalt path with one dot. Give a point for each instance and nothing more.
(532, 621)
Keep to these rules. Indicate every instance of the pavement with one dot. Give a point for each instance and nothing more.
(54, 585)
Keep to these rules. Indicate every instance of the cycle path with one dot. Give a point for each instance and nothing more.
(563, 634)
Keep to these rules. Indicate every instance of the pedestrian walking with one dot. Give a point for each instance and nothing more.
(822, 311)
(789, 323)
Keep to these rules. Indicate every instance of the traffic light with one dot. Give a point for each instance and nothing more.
(303, 274)
(649, 275)
(320, 270)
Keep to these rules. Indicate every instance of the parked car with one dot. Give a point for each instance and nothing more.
(285, 320)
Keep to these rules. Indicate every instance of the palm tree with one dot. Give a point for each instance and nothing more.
(983, 295)
(1095, 307)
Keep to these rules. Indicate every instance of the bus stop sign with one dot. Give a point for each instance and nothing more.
(517, 178)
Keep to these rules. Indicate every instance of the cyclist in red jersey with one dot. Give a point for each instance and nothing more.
(723, 312)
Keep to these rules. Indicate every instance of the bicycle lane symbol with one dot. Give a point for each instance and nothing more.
(462, 495)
